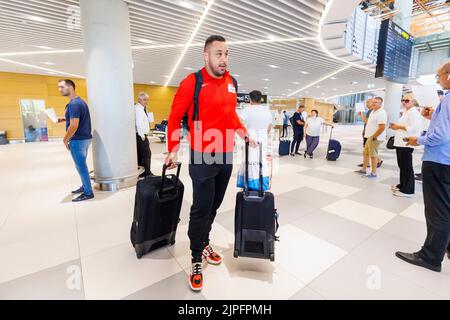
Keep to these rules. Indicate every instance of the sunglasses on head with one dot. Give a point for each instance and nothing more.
(406, 100)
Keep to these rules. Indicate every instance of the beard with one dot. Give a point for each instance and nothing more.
(216, 71)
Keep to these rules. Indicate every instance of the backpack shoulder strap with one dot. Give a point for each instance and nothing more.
(235, 84)
(198, 88)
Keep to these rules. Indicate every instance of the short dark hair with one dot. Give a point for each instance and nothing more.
(69, 83)
(379, 99)
(440, 93)
(256, 96)
(314, 110)
(212, 39)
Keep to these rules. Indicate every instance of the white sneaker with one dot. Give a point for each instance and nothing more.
(401, 194)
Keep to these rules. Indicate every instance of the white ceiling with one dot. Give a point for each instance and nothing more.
(282, 24)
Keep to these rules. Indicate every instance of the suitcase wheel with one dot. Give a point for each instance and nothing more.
(236, 254)
(272, 257)
(139, 256)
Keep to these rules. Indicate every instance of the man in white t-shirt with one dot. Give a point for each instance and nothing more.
(258, 119)
(278, 121)
(375, 134)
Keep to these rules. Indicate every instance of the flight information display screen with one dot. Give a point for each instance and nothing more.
(394, 53)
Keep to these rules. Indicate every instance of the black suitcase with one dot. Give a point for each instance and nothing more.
(334, 148)
(284, 148)
(156, 212)
(256, 220)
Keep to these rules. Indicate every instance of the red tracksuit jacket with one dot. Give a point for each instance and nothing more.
(217, 115)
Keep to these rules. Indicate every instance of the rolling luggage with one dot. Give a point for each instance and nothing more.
(256, 220)
(284, 148)
(156, 212)
(334, 149)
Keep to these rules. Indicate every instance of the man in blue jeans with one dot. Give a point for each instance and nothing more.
(78, 136)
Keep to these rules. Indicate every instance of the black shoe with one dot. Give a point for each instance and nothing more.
(448, 253)
(83, 197)
(292, 155)
(379, 164)
(360, 165)
(78, 191)
(298, 153)
(311, 156)
(304, 155)
(416, 260)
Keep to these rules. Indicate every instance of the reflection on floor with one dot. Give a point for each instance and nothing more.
(338, 235)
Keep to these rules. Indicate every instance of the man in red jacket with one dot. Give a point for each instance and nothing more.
(211, 139)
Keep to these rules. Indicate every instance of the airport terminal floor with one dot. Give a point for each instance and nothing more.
(338, 234)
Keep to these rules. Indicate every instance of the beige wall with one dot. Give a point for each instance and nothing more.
(15, 87)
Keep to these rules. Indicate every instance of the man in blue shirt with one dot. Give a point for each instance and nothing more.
(436, 181)
(78, 136)
(285, 124)
(298, 125)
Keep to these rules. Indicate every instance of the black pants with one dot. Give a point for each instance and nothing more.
(144, 154)
(298, 138)
(436, 196)
(405, 163)
(285, 130)
(209, 184)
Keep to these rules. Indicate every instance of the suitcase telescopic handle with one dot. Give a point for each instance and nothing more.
(261, 193)
(164, 175)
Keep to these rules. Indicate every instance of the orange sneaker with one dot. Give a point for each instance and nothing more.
(196, 277)
(211, 256)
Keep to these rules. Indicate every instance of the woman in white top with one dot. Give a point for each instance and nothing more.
(313, 125)
(409, 125)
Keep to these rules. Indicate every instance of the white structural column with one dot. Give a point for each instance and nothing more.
(393, 94)
(108, 62)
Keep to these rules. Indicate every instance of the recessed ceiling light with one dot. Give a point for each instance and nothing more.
(354, 82)
(318, 87)
(351, 90)
(333, 78)
(304, 72)
(152, 82)
(236, 75)
(37, 19)
(266, 87)
(49, 63)
(185, 4)
(165, 76)
(43, 47)
(144, 40)
(371, 85)
(334, 89)
(296, 83)
(188, 68)
(267, 80)
(51, 72)
(272, 66)
(271, 37)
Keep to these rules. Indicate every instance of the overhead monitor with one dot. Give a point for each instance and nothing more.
(394, 53)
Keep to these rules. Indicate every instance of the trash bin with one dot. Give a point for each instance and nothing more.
(3, 139)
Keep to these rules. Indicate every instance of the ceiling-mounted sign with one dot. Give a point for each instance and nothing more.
(394, 53)
(245, 98)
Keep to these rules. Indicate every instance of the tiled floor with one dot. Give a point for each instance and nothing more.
(338, 234)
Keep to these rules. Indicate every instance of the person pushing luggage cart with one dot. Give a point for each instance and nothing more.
(209, 97)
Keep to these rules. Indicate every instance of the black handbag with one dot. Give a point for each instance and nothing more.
(390, 143)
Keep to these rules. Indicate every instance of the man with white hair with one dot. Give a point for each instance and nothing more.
(436, 181)
(144, 153)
